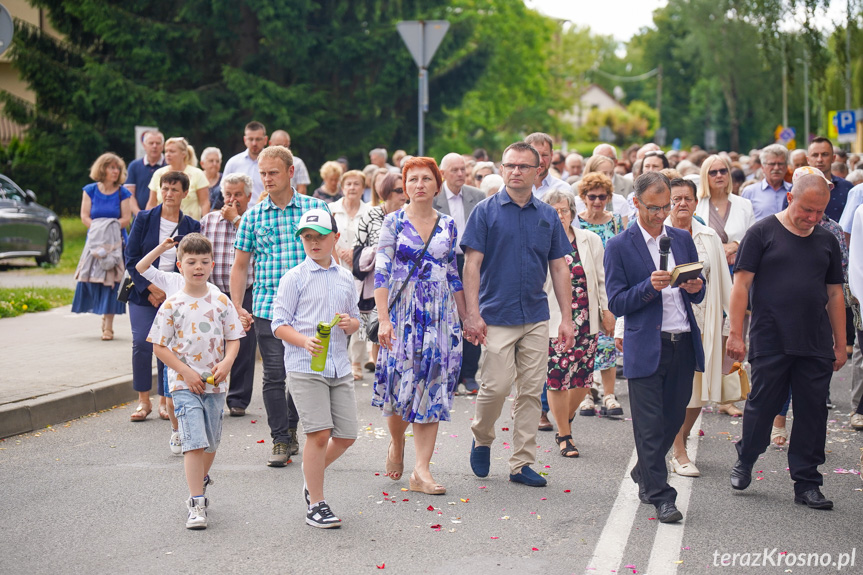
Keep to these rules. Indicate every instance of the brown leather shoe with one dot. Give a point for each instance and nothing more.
(237, 412)
(544, 423)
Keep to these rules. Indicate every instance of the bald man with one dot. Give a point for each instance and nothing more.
(300, 180)
(793, 269)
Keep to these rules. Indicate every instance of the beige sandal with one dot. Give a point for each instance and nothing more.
(427, 488)
(779, 436)
(107, 334)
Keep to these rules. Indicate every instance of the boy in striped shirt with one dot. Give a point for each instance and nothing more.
(316, 291)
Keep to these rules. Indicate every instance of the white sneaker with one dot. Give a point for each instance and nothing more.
(322, 517)
(197, 513)
(176, 444)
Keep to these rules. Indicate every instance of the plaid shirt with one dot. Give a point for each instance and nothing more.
(267, 233)
(221, 232)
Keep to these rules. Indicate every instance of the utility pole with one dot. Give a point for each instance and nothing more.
(805, 98)
(784, 86)
(659, 96)
(848, 57)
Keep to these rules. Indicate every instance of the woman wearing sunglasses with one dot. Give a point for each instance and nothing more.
(728, 215)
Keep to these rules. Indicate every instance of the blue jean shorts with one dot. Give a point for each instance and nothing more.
(200, 419)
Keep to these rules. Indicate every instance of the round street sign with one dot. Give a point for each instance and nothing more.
(6, 29)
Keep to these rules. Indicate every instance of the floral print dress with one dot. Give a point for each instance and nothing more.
(574, 367)
(416, 379)
(606, 353)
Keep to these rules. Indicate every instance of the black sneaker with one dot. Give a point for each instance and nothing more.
(294, 443)
(279, 457)
(322, 517)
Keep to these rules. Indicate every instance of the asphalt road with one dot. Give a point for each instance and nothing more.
(103, 495)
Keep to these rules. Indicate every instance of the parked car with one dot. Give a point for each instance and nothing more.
(26, 228)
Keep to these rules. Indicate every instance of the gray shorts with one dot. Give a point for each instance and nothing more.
(325, 403)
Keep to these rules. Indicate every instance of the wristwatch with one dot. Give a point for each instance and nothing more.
(235, 220)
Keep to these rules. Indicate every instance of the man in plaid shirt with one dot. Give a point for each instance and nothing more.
(267, 233)
(220, 227)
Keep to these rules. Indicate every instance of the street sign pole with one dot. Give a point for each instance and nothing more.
(422, 39)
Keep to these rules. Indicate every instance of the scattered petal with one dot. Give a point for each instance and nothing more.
(465, 500)
(261, 441)
(381, 566)
(493, 537)
(430, 508)
(534, 549)
(385, 493)
(254, 421)
(543, 498)
(483, 487)
(566, 491)
(436, 526)
(404, 488)
(504, 429)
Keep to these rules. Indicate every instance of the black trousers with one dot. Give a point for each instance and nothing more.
(808, 379)
(658, 405)
(470, 352)
(243, 370)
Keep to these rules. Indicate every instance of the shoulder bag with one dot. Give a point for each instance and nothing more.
(372, 332)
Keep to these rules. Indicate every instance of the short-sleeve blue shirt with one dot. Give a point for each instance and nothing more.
(517, 243)
(139, 175)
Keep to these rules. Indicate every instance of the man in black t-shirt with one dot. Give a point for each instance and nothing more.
(793, 270)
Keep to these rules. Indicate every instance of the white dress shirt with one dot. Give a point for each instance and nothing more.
(548, 184)
(674, 318)
(456, 210)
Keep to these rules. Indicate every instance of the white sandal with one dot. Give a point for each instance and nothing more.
(779, 433)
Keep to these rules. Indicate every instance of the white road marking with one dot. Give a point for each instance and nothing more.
(608, 553)
(669, 536)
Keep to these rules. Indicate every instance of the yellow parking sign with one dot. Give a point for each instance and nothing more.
(832, 130)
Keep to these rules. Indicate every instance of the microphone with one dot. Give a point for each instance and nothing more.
(664, 248)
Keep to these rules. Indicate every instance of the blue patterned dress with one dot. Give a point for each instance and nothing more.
(606, 353)
(416, 379)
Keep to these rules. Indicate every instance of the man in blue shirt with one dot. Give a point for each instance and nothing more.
(255, 139)
(768, 195)
(510, 242)
(141, 170)
(821, 156)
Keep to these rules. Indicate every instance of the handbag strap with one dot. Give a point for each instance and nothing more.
(416, 263)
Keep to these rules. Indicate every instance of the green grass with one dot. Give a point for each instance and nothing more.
(17, 301)
(74, 238)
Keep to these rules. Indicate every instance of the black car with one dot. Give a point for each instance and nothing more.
(26, 228)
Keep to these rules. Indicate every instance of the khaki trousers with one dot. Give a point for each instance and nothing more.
(517, 352)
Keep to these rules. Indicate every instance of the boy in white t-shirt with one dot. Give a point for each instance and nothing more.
(170, 283)
(195, 334)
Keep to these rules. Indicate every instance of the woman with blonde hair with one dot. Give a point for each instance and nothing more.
(329, 190)
(180, 157)
(106, 210)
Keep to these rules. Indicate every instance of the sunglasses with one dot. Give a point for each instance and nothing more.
(593, 197)
(719, 172)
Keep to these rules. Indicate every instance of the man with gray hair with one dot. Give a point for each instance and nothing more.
(768, 195)
(221, 229)
(141, 170)
(378, 157)
(574, 167)
(544, 181)
(620, 184)
(797, 336)
(458, 200)
(798, 158)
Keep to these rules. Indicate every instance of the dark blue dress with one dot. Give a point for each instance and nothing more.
(94, 297)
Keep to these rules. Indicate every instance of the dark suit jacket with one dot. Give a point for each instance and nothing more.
(142, 239)
(470, 198)
(628, 266)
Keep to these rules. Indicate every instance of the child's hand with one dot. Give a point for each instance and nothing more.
(193, 381)
(166, 245)
(345, 322)
(221, 371)
(313, 346)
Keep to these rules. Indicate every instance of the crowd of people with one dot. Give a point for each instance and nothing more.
(536, 275)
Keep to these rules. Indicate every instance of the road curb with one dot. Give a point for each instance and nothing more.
(34, 414)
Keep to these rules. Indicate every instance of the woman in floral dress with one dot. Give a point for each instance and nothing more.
(570, 373)
(420, 358)
(595, 189)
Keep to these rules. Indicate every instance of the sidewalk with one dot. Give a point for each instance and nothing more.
(55, 367)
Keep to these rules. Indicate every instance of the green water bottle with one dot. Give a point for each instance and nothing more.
(319, 361)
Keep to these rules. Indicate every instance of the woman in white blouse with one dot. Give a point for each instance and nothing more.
(728, 215)
(347, 212)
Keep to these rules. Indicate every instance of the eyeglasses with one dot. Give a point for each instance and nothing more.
(657, 209)
(777, 164)
(563, 211)
(398, 191)
(593, 197)
(478, 177)
(653, 153)
(675, 201)
(519, 167)
(719, 172)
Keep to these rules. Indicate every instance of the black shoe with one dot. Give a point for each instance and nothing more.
(667, 512)
(642, 494)
(814, 499)
(237, 412)
(741, 475)
(322, 517)
(294, 442)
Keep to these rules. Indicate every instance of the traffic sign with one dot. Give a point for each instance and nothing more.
(422, 37)
(846, 125)
(7, 29)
